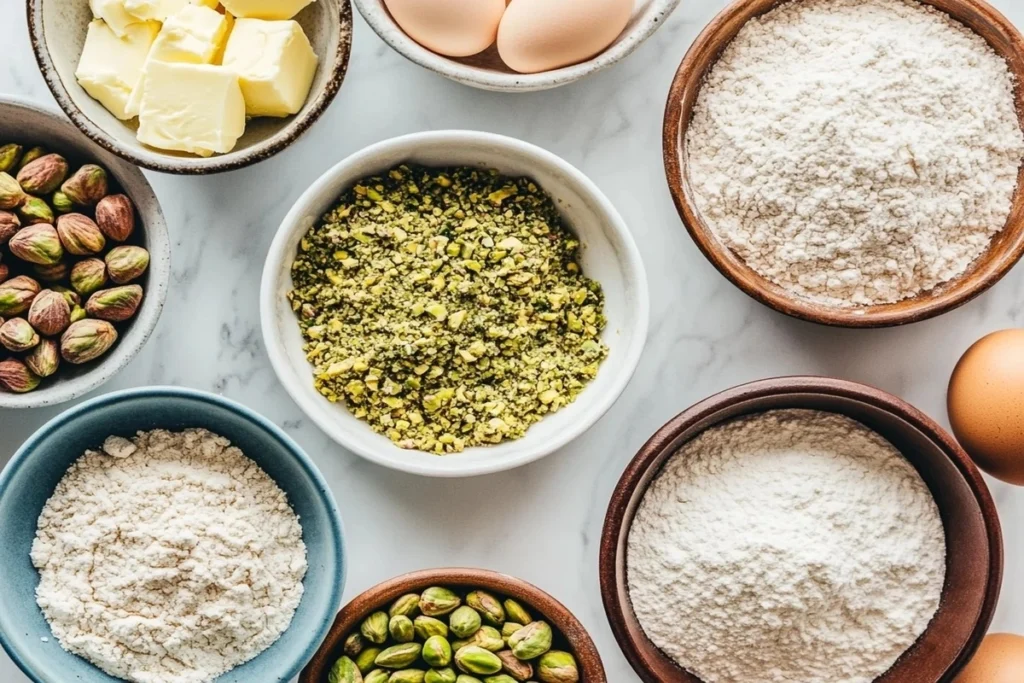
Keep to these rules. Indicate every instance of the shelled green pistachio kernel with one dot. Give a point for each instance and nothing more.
(515, 667)
(406, 606)
(375, 628)
(488, 638)
(464, 621)
(465, 678)
(436, 601)
(398, 656)
(447, 308)
(377, 676)
(488, 606)
(437, 652)
(501, 678)
(557, 667)
(429, 626)
(532, 640)
(344, 671)
(401, 628)
(366, 658)
(442, 675)
(476, 660)
(509, 628)
(408, 676)
(353, 644)
(515, 611)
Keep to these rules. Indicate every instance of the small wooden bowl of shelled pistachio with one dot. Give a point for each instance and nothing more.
(448, 625)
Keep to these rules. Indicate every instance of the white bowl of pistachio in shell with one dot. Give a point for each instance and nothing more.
(607, 255)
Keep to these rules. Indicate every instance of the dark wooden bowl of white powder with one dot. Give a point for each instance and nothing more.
(805, 528)
(852, 162)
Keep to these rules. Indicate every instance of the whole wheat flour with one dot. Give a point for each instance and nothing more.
(856, 152)
(168, 559)
(793, 546)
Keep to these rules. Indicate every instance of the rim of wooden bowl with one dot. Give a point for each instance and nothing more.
(154, 159)
(383, 594)
(618, 518)
(1006, 248)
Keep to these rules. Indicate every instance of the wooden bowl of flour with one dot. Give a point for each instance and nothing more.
(974, 550)
(1004, 251)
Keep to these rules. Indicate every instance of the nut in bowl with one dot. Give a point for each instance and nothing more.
(124, 69)
(327, 304)
(84, 259)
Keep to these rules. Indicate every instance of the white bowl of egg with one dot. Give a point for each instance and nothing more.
(517, 45)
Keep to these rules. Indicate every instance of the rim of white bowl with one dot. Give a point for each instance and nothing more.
(651, 19)
(158, 242)
(308, 400)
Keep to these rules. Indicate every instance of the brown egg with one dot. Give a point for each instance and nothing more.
(1000, 659)
(985, 402)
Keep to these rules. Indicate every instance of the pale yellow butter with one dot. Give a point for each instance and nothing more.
(195, 108)
(110, 67)
(156, 10)
(264, 9)
(275, 65)
(114, 13)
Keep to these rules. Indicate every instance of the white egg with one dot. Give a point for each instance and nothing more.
(455, 28)
(540, 35)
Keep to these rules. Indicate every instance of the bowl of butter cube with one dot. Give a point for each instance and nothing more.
(192, 86)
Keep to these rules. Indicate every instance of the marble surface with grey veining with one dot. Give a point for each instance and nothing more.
(541, 522)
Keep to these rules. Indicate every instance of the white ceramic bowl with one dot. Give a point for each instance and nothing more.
(486, 71)
(608, 255)
(26, 122)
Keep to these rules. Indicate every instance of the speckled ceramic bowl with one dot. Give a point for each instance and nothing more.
(57, 29)
(27, 122)
(32, 474)
(488, 72)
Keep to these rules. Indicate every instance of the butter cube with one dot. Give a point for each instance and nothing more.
(156, 10)
(275, 65)
(195, 108)
(114, 13)
(194, 35)
(265, 9)
(111, 67)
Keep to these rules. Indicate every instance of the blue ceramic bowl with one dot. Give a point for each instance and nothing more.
(32, 474)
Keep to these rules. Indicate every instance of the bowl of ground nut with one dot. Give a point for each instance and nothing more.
(201, 542)
(884, 196)
(809, 527)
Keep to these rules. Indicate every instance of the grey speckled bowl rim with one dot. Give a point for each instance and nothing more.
(136, 336)
(156, 161)
(337, 527)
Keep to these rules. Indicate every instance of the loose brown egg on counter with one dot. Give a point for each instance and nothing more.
(455, 28)
(1000, 659)
(985, 402)
(540, 35)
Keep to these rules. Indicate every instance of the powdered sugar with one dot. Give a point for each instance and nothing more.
(856, 151)
(168, 559)
(792, 545)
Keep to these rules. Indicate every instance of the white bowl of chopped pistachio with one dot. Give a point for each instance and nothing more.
(454, 303)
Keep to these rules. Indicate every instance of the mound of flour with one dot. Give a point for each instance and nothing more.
(168, 559)
(856, 152)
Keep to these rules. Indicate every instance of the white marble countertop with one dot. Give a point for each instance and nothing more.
(541, 522)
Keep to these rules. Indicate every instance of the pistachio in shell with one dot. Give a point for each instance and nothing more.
(116, 304)
(31, 154)
(532, 640)
(116, 217)
(429, 626)
(86, 340)
(437, 652)
(557, 667)
(80, 235)
(37, 244)
(515, 667)
(44, 359)
(50, 313)
(408, 676)
(398, 656)
(375, 627)
(401, 628)
(10, 155)
(436, 601)
(464, 621)
(9, 224)
(43, 175)
(126, 263)
(16, 378)
(353, 645)
(407, 606)
(87, 186)
(35, 210)
(476, 660)
(344, 671)
(445, 674)
(365, 658)
(17, 335)
(488, 606)
(16, 295)
(11, 194)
